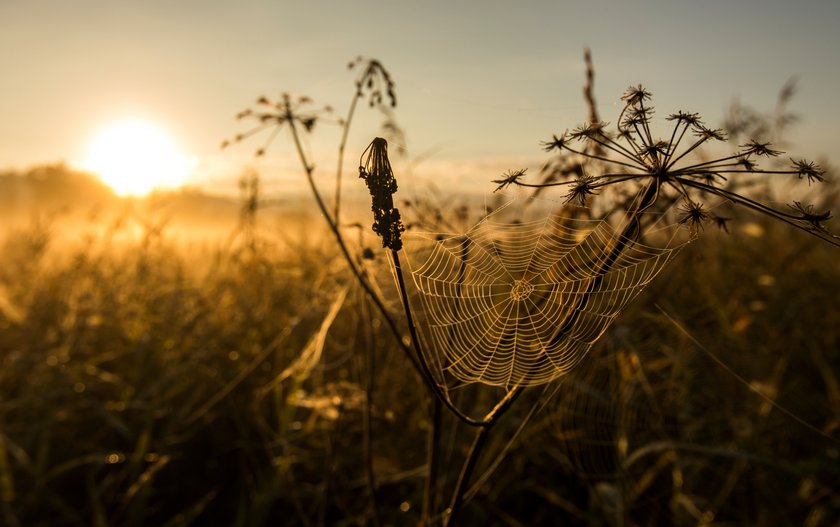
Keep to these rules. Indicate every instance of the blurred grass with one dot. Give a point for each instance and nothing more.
(155, 383)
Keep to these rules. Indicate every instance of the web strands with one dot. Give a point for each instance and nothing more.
(521, 303)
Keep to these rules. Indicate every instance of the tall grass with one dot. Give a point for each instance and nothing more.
(261, 383)
(113, 362)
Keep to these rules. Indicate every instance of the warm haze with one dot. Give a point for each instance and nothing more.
(134, 158)
(599, 290)
(472, 75)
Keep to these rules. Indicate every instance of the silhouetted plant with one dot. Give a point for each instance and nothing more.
(631, 153)
(657, 172)
(377, 174)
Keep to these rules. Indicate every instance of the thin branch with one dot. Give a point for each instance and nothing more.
(420, 357)
(432, 461)
(605, 159)
(339, 238)
(478, 444)
(367, 421)
(790, 219)
(341, 147)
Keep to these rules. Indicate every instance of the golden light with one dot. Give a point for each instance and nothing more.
(136, 157)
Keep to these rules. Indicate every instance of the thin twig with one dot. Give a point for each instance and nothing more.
(477, 447)
(341, 147)
(367, 421)
(421, 358)
(647, 197)
(339, 238)
(432, 460)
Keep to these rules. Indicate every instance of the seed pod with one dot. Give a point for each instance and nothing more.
(375, 169)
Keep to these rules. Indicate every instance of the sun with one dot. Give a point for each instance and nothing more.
(135, 157)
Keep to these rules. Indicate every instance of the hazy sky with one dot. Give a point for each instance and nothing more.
(477, 82)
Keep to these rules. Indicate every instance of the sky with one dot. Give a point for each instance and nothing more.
(479, 84)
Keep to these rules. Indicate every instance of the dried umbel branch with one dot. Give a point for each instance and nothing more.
(375, 79)
(375, 169)
(511, 177)
(275, 114)
(632, 154)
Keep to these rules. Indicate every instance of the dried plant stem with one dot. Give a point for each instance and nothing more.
(329, 465)
(433, 460)
(647, 197)
(345, 132)
(488, 472)
(588, 89)
(477, 447)
(339, 238)
(756, 206)
(420, 357)
(367, 430)
(369, 369)
(484, 426)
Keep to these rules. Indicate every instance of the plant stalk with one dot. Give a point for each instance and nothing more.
(421, 359)
(392, 325)
(341, 146)
(478, 444)
(432, 457)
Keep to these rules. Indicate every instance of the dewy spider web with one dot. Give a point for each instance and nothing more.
(521, 303)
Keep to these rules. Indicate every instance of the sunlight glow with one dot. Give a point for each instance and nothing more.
(136, 157)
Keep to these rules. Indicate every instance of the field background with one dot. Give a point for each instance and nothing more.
(153, 377)
(202, 354)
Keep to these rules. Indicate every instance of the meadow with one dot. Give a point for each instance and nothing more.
(148, 380)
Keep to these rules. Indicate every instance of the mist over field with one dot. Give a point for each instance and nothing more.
(188, 359)
(442, 264)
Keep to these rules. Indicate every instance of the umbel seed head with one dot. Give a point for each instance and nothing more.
(375, 169)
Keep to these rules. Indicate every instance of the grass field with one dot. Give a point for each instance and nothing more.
(153, 383)
(281, 372)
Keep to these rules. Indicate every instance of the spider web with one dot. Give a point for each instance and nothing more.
(521, 303)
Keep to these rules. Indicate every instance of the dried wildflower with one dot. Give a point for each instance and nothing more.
(721, 222)
(710, 177)
(633, 119)
(638, 114)
(632, 156)
(625, 134)
(694, 215)
(692, 119)
(556, 143)
(580, 188)
(809, 169)
(805, 214)
(588, 131)
(654, 150)
(635, 95)
(704, 132)
(759, 149)
(379, 177)
(374, 79)
(511, 177)
(285, 111)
